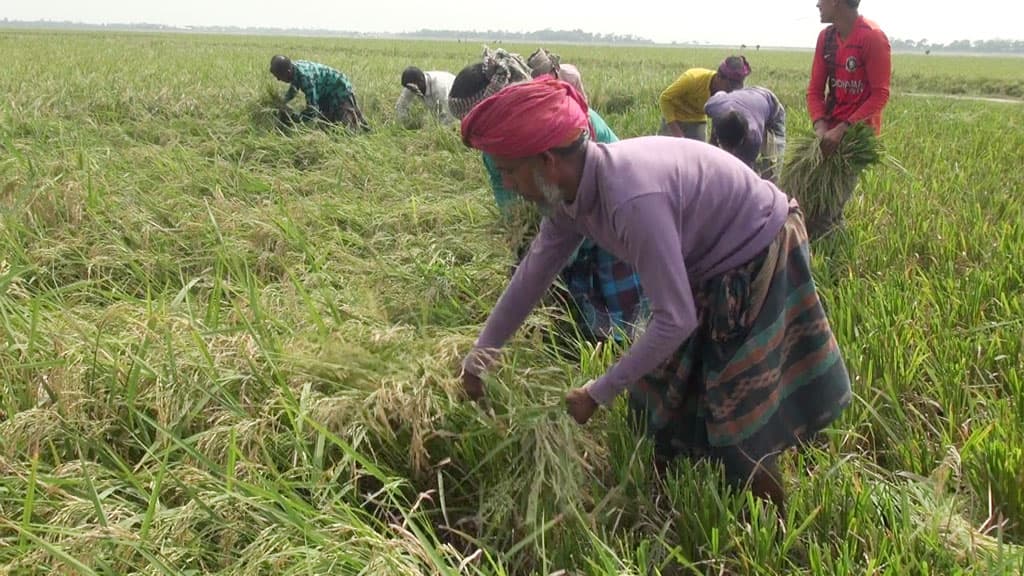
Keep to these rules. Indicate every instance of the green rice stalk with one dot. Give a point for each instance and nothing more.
(823, 184)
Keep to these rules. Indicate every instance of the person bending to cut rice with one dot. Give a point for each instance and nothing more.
(543, 62)
(682, 103)
(330, 96)
(738, 361)
(750, 124)
(431, 88)
(604, 294)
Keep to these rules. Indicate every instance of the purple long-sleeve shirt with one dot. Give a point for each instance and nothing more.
(679, 211)
(763, 111)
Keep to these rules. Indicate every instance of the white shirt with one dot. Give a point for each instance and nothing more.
(439, 83)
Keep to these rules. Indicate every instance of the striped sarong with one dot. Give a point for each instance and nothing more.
(762, 373)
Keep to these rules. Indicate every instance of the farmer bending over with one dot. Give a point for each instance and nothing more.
(750, 124)
(604, 293)
(329, 93)
(431, 88)
(682, 103)
(738, 361)
(543, 63)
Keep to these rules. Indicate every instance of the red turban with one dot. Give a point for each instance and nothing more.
(526, 119)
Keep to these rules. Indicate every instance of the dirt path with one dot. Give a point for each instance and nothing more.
(965, 97)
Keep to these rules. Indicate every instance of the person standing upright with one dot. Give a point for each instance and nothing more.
(850, 80)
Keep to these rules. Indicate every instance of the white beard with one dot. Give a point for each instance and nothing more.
(553, 195)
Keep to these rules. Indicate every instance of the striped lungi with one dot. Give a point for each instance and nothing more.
(763, 371)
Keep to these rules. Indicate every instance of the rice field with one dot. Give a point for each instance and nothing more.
(228, 350)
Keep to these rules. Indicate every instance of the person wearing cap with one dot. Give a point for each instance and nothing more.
(431, 88)
(602, 293)
(543, 62)
(682, 103)
(330, 96)
(738, 361)
(750, 123)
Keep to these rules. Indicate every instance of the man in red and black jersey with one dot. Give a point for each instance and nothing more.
(851, 73)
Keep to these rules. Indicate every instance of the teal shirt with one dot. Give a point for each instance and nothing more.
(323, 86)
(504, 198)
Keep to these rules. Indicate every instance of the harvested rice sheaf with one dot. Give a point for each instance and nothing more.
(267, 109)
(822, 185)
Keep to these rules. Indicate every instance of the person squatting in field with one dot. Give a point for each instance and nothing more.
(738, 361)
(604, 293)
(330, 96)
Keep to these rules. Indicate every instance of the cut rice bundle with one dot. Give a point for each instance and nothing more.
(822, 185)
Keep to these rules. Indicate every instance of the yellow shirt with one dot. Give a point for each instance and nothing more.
(684, 100)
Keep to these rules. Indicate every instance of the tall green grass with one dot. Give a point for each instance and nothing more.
(226, 349)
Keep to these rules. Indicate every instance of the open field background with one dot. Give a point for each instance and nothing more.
(232, 351)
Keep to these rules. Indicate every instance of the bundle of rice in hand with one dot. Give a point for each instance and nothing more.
(270, 110)
(822, 185)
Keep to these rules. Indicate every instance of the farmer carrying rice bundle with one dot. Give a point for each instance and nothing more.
(738, 361)
(849, 85)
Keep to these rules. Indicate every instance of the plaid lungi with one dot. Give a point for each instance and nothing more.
(605, 291)
(601, 293)
(769, 161)
(773, 149)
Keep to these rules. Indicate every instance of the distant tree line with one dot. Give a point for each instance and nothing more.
(568, 36)
(144, 27)
(576, 36)
(997, 46)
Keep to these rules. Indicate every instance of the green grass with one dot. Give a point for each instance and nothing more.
(228, 350)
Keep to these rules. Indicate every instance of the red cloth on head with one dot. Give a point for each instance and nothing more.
(526, 119)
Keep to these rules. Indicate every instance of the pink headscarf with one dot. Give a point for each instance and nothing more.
(527, 119)
(734, 68)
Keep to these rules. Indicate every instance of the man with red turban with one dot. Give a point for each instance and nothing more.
(738, 361)
(601, 294)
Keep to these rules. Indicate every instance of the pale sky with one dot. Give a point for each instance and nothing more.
(770, 23)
